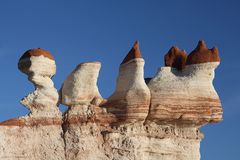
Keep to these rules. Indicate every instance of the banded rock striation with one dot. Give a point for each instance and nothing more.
(159, 120)
(187, 96)
(131, 99)
(83, 119)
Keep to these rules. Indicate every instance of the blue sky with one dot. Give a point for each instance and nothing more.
(76, 31)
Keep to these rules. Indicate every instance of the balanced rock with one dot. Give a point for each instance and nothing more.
(130, 101)
(187, 96)
(40, 66)
(39, 134)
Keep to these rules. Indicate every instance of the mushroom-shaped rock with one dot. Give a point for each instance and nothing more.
(201, 54)
(187, 96)
(175, 58)
(130, 101)
(40, 66)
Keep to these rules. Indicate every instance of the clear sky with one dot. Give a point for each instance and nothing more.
(76, 31)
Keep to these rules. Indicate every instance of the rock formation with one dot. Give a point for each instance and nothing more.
(39, 134)
(131, 99)
(155, 118)
(175, 58)
(40, 66)
(187, 96)
(83, 119)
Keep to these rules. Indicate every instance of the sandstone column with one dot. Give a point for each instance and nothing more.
(131, 99)
(84, 119)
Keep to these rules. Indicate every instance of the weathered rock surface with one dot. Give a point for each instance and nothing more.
(201, 54)
(153, 142)
(157, 121)
(186, 96)
(175, 58)
(31, 139)
(37, 136)
(40, 69)
(81, 85)
(84, 118)
(131, 99)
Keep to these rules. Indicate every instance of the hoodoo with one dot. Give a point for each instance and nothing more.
(187, 96)
(81, 85)
(38, 134)
(157, 120)
(84, 118)
(40, 66)
(130, 101)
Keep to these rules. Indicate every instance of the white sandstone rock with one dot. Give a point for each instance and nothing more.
(131, 99)
(40, 69)
(81, 85)
(185, 96)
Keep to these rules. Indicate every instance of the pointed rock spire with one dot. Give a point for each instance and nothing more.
(133, 53)
(175, 58)
(201, 45)
(201, 54)
(130, 101)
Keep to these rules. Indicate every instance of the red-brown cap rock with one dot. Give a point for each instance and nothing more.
(175, 58)
(37, 52)
(133, 53)
(201, 54)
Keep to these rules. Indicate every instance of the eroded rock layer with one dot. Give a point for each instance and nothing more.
(31, 140)
(153, 142)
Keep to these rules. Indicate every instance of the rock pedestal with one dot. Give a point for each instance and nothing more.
(38, 135)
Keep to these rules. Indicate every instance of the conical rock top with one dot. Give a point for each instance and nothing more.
(133, 53)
